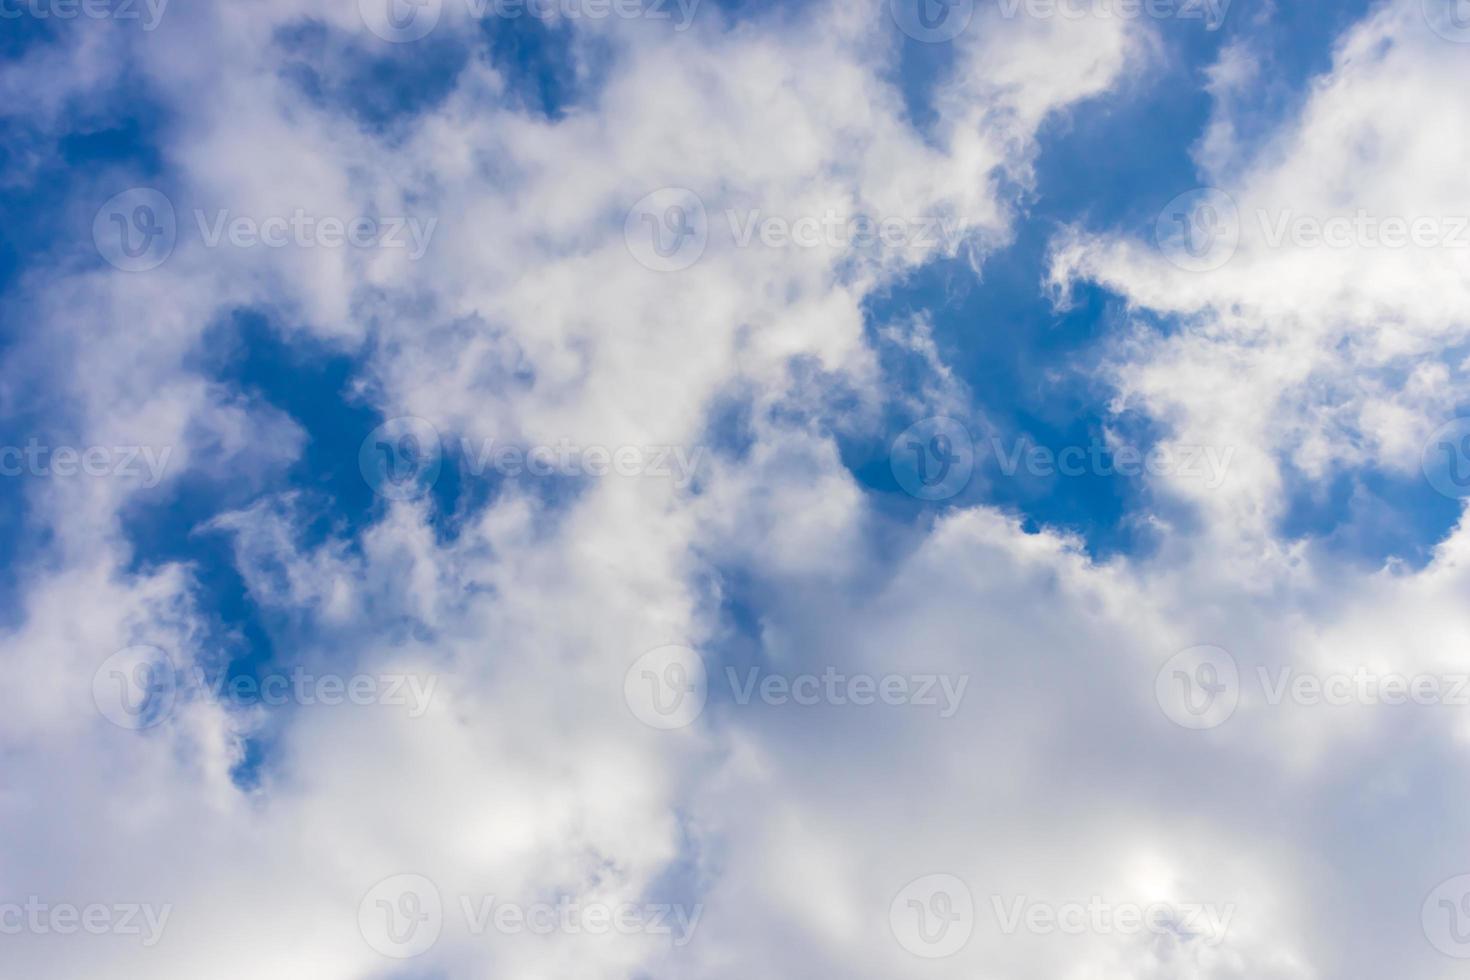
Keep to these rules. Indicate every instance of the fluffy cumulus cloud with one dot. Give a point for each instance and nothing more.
(1325, 274)
(621, 291)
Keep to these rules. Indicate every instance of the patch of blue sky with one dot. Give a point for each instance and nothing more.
(376, 82)
(1110, 165)
(45, 173)
(547, 66)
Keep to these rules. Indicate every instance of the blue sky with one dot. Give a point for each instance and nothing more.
(1013, 372)
(790, 488)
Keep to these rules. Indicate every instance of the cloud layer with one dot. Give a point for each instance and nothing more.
(887, 695)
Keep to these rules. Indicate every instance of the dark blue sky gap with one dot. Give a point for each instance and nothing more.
(1110, 165)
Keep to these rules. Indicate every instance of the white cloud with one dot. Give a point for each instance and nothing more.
(1332, 349)
(527, 777)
